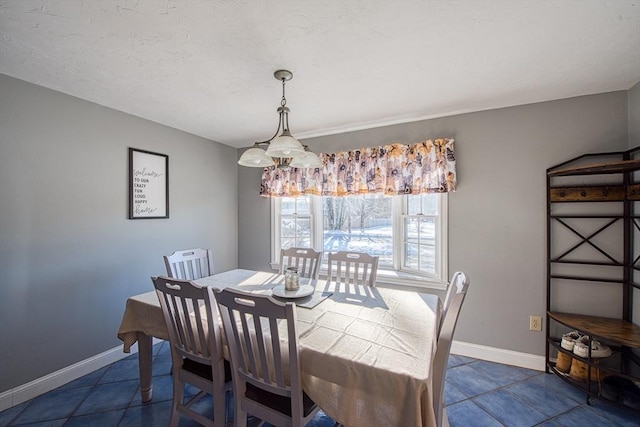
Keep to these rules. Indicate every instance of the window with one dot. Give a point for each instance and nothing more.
(294, 225)
(407, 233)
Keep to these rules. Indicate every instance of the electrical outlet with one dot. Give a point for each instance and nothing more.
(535, 323)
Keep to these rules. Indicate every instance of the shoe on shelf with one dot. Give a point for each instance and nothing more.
(581, 348)
(621, 390)
(631, 397)
(569, 339)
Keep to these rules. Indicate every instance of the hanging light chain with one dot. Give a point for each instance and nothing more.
(283, 102)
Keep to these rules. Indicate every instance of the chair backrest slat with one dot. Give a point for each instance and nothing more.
(353, 267)
(305, 260)
(275, 344)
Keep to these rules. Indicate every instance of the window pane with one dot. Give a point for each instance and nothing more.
(425, 204)
(359, 223)
(298, 241)
(419, 243)
(287, 206)
(412, 230)
(413, 204)
(295, 205)
(428, 259)
(429, 204)
(303, 205)
(411, 256)
(296, 227)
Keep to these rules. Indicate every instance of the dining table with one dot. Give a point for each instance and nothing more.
(366, 353)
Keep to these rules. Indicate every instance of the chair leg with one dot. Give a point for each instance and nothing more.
(178, 396)
(240, 416)
(220, 408)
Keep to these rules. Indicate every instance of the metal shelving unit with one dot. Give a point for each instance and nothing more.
(592, 199)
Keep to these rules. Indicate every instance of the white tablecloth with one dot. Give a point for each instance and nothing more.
(366, 353)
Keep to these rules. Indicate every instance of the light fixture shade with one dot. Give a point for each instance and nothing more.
(306, 161)
(285, 145)
(255, 158)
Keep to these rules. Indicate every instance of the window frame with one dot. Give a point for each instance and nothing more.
(276, 229)
(399, 275)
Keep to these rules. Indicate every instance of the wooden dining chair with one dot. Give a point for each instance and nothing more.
(451, 291)
(189, 264)
(455, 298)
(357, 268)
(306, 260)
(263, 346)
(191, 315)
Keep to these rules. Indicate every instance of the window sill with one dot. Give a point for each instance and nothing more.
(396, 278)
(402, 278)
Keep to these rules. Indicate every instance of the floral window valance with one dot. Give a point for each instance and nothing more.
(423, 167)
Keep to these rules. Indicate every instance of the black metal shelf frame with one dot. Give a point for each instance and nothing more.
(623, 164)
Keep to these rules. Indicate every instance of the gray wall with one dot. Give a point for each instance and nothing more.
(69, 257)
(497, 218)
(633, 96)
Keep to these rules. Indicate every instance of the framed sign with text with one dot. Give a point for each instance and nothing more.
(148, 184)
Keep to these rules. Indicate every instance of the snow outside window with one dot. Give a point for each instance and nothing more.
(407, 233)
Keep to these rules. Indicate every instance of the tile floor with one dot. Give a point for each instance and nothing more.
(478, 393)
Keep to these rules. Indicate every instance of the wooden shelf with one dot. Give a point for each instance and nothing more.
(617, 331)
(598, 168)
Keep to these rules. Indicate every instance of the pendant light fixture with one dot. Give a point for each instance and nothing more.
(282, 150)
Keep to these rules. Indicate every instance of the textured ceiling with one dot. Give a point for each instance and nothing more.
(206, 67)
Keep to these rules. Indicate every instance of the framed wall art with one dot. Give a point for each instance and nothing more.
(148, 184)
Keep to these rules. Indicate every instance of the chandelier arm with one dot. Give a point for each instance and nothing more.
(285, 122)
(280, 125)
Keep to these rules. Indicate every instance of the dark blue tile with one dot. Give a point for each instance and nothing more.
(549, 424)
(49, 423)
(106, 397)
(321, 420)
(122, 370)
(582, 416)
(617, 414)
(8, 415)
(504, 373)
(162, 364)
(54, 405)
(508, 410)
(204, 406)
(547, 401)
(162, 348)
(467, 413)
(470, 382)
(162, 390)
(132, 356)
(148, 415)
(452, 394)
(110, 418)
(455, 360)
(87, 380)
(553, 382)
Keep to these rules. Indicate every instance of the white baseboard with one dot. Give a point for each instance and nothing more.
(498, 355)
(56, 379)
(20, 394)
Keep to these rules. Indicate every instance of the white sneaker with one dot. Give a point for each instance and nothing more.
(569, 339)
(581, 348)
